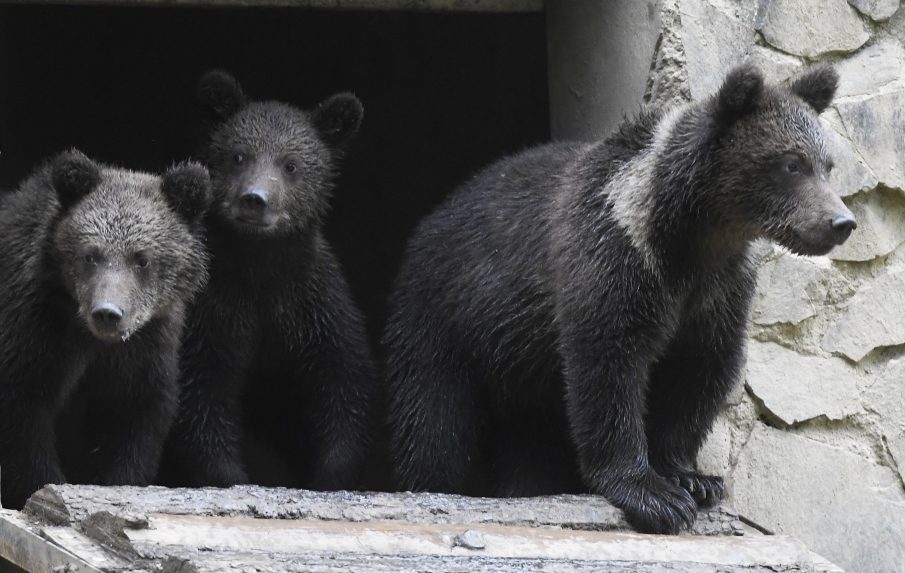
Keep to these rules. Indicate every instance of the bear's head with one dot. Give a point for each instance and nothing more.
(773, 165)
(128, 244)
(272, 165)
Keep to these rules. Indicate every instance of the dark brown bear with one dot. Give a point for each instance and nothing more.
(275, 347)
(96, 271)
(573, 317)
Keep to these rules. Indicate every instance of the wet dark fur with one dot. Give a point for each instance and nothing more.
(534, 348)
(48, 353)
(276, 347)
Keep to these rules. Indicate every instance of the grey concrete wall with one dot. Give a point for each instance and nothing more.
(599, 54)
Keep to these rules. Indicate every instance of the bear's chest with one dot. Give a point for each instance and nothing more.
(715, 293)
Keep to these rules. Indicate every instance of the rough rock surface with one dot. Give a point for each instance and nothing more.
(876, 125)
(876, 9)
(813, 28)
(872, 319)
(875, 69)
(883, 399)
(880, 214)
(817, 491)
(851, 174)
(790, 289)
(796, 388)
(777, 66)
(706, 52)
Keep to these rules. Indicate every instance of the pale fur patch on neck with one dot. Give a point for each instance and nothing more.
(629, 193)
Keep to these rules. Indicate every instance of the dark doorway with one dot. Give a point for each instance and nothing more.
(444, 95)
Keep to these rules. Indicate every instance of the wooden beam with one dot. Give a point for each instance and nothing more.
(68, 504)
(270, 530)
(26, 548)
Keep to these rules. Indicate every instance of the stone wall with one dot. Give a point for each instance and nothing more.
(813, 443)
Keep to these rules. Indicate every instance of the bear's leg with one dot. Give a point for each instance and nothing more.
(339, 377)
(437, 416)
(608, 346)
(688, 387)
(134, 399)
(204, 447)
(28, 456)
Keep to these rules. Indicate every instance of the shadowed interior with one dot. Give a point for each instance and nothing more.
(444, 95)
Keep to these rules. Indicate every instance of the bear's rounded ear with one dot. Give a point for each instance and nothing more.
(220, 93)
(73, 176)
(187, 188)
(739, 94)
(817, 86)
(338, 118)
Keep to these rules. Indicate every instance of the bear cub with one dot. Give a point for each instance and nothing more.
(573, 317)
(275, 347)
(98, 267)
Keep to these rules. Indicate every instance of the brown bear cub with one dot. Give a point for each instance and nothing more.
(275, 347)
(98, 267)
(572, 318)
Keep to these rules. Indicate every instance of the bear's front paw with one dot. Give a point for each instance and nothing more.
(706, 490)
(656, 505)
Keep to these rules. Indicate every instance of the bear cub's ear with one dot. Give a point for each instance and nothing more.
(817, 86)
(739, 94)
(187, 188)
(338, 118)
(73, 176)
(220, 93)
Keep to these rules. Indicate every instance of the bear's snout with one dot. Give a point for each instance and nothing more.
(107, 313)
(253, 201)
(109, 305)
(842, 226)
(107, 322)
(254, 207)
(820, 221)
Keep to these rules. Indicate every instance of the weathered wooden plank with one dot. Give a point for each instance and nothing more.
(503, 6)
(189, 543)
(247, 528)
(193, 561)
(84, 547)
(25, 547)
(166, 533)
(67, 504)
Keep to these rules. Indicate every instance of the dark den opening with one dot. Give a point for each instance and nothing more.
(444, 95)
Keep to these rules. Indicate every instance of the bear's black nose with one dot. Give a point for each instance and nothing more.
(844, 223)
(107, 313)
(253, 200)
(842, 226)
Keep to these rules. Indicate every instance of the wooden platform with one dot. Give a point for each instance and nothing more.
(251, 529)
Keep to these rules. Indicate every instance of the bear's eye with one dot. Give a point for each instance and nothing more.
(142, 260)
(793, 166)
(91, 259)
(291, 167)
(829, 166)
(239, 158)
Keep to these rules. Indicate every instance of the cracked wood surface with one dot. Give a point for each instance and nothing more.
(248, 528)
(62, 504)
